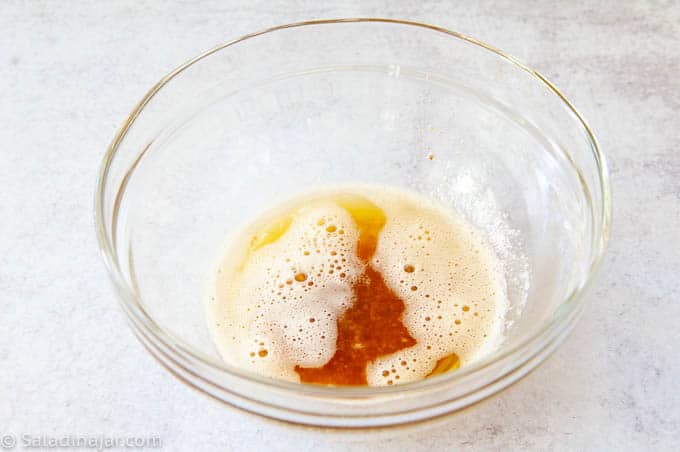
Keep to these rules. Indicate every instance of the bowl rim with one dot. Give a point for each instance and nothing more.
(557, 327)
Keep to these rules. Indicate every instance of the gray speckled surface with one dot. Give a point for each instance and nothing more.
(70, 365)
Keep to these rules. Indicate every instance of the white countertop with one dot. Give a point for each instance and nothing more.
(69, 364)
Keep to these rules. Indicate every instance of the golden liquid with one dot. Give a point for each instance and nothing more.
(372, 327)
(268, 235)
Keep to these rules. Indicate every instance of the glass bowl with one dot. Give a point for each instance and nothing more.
(257, 120)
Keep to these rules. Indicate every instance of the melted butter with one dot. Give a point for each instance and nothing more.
(372, 326)
(270, 233)
(446, 364)
(369, 220)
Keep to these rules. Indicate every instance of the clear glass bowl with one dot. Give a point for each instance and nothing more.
(254, 121)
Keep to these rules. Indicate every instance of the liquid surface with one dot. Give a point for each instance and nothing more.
(364, 285)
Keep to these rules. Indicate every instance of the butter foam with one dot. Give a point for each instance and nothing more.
(276, 305)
